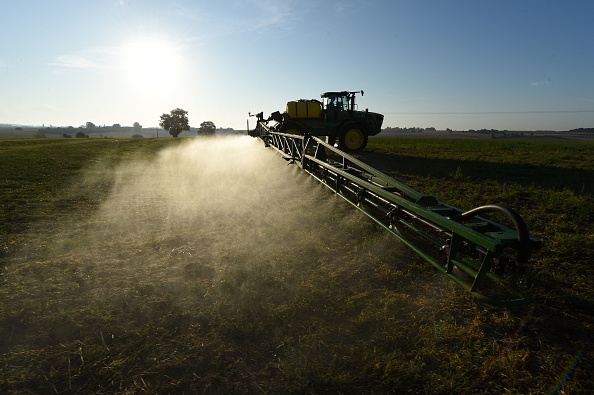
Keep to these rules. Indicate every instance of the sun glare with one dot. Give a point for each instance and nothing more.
(152, 64)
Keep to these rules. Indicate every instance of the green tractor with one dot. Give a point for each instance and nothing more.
(335, 117)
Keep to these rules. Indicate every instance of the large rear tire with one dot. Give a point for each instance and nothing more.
(353, 137)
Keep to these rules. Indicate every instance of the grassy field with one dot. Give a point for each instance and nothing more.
(210, 266)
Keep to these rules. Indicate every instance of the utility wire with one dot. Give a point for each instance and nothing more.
(489, 112)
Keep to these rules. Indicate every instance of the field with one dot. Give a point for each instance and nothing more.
(182, 266)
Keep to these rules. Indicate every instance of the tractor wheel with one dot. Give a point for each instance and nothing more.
(352, 137)
(293, 128)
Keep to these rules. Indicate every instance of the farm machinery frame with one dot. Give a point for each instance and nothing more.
(486, 258)
(336, 118)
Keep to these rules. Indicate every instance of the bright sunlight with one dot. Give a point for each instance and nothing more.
(151, 64)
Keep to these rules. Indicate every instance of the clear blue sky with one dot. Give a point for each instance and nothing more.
(462, 64)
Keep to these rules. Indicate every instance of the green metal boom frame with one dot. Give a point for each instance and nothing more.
(484, 257)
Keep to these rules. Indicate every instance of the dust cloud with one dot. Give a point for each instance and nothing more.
(208, 197)
(209, 222)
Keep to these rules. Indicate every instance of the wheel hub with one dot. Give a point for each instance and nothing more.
(354, 138)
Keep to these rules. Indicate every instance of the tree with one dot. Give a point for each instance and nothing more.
(175, 122)
(90, 125)
(137, 127)
(207, 128)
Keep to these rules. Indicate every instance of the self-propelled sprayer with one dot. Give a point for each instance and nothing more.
(336, 118)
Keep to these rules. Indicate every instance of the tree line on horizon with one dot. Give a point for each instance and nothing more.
(175, 123)
(482, 131)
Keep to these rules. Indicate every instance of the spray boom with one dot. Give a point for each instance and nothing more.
(486, 258)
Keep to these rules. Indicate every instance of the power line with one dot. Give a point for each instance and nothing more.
(489, 112)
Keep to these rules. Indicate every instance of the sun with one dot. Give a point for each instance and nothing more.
(151, 63)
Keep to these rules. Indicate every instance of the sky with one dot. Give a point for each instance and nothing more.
(458, 64)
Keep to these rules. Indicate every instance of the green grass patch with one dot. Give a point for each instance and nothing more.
(131, 266)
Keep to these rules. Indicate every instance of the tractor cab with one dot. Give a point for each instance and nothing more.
(336, 104)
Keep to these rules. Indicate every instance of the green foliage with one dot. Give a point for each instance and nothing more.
(207, 128)
(175, 122)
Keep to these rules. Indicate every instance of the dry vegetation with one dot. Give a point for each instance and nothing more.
(210, 266)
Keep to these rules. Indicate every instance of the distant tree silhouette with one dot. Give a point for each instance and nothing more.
(175, 122)
(207, 128)
(90, 125)
(137, 127)
(81, 135)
